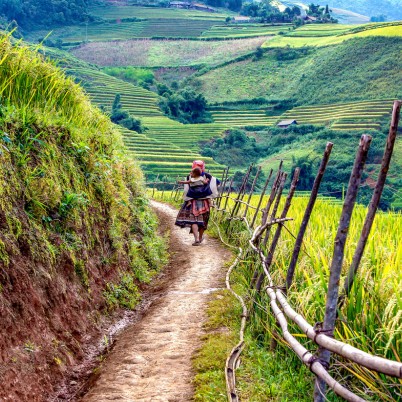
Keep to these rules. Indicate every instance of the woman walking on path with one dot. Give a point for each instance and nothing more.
(194, 213)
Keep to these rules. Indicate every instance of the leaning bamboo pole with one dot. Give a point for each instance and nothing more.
(278, 231)
(338, 254)
(252, 191)
(281, 186)
(375, 200)
(307, 214)
(305, 356)
(261, 198)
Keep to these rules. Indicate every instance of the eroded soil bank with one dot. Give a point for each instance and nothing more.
(152, 359)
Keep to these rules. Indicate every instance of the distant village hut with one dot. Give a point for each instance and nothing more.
(286, 123)
(179, 4)
(241, 19)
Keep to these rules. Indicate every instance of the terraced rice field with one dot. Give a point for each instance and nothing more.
(177, 28)
(115, 12)
(123, 30)
(166, 53)
(243, 118)
(167, 147)
(319, 30)
(103, 88)
(181, 135)
(344, 116)
(390, 29)
(243, 30)
(163, 158)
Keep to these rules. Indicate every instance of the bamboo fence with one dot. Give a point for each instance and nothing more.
(229, 209)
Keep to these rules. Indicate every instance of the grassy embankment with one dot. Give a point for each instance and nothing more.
(369, 320)
(77, 235)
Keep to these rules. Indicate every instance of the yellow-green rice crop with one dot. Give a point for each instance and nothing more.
(371, 318)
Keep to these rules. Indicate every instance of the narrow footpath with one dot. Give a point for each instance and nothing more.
(152, 359)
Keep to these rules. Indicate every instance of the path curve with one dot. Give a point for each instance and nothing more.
(152, 359)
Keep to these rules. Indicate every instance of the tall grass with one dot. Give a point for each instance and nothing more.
(371, 318)
(63, 160)
(29, 83)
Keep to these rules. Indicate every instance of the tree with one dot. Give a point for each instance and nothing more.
(185, 105)
(42, 13)
(123, 117)
(234, 5)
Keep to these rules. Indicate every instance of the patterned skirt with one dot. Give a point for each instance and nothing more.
(197, 212)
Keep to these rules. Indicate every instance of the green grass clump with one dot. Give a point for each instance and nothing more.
(66, 186)
(220, 338)
(124, 294)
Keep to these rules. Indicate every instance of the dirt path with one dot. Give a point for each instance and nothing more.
(152, 359)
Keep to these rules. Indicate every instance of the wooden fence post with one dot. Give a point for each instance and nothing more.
(265, 213)
(221, 190)
(252, 190)
(307, 214)
(375, 200)
(228, 194)
(261, 198)
(271, 198)
(242, 189)
(281, 185)
(337, 258)
(278, 231)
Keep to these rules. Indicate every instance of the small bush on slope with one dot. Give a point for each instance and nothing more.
(75, 222)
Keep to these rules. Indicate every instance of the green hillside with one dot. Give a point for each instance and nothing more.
(312, 75)
(292, 78)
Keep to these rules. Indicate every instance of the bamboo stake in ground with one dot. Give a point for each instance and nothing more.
(307, 214)
(337, 258)
(228, 194)
(278, 231)
(221, 190)
(252, 190)
(375, 200)
(242, 189)
(281, 186)
(272, 195)
(261, 198)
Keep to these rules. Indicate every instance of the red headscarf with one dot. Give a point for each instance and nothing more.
(200, 164)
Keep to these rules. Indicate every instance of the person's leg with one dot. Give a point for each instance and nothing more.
(201, 233)
(196, 234)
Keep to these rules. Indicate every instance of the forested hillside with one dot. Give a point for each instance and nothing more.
(30, 14)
